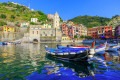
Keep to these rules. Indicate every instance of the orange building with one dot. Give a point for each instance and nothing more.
(101, 31)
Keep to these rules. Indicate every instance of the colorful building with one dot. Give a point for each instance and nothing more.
(8, 28)
(72, 30)
(50, 16)
(34, 20)
(93, 32)
(65, 37)
(100, 32)
(47, 26)
(24, 24)
(82, 30)
(117, 31)
(70, 23)
(64, 29)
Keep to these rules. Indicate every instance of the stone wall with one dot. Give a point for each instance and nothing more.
(47, 32)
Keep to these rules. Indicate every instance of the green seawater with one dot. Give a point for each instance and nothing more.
(22, 60)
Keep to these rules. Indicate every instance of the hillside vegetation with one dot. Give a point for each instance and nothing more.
(115, 21)
(10, 12)
(90, 21)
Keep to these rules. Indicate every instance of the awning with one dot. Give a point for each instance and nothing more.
(103, 37)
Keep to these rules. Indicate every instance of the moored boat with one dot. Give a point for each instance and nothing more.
(113, 47)
(98, 49)
(4, 43)
(71, 54)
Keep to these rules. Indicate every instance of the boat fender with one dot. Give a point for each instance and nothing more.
(58, 45)
(90, 56)
(60, 54)
(72, 53)
(46, 46)
(68, 45)
(52, 53)
(66, 53)
(92, 51)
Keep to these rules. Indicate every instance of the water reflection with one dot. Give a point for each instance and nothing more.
(62, 70)
(29, 61)
(81, 69)
(8, 54)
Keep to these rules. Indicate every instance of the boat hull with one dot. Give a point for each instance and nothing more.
(114, 49)
(100, 50)
(70, 56)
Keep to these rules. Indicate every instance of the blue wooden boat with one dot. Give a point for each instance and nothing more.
(4, 43)
(71, 55)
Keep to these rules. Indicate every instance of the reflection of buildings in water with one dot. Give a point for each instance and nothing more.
(8, 53)
(23, 52)
(34, 49)
(112, 58)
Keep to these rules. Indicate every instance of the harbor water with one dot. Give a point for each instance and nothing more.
(30, 62)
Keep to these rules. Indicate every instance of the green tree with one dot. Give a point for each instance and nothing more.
(75, 36)
(18, 6)
(5, 4)
(61, 19)
(32, 23)
(89, 37)
(115, 16)
(3, 16)
(90, 21)
(12, 16)
(82, 36)
(2, 23)
(17, 23)
(40, 13)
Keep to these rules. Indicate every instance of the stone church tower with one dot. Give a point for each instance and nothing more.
(56, 25)
(56, 20)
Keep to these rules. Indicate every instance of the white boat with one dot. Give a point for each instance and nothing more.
(100, 50)
(112, 47)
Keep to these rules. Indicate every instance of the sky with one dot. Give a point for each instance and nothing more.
(68, 9)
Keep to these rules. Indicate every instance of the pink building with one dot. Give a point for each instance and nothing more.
(80, 30)
(64, 29)
(70, 32)
(50, 16)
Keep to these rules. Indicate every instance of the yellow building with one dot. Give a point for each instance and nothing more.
(47, 26)
(8, 28)
(65, 37)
